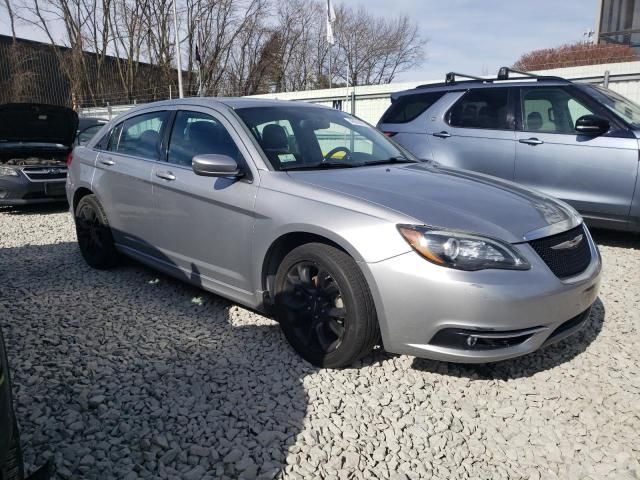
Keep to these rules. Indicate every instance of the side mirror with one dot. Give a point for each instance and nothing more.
(214, 165)
(592, 125)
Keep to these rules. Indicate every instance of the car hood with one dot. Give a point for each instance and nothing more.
(37, 123)
(448, 198)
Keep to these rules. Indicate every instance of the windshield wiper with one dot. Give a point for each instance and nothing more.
(396, 159)
(322, 166)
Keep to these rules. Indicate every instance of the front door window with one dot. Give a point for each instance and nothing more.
(551, 110)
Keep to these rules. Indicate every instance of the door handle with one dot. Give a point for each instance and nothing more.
(531, 141)
(442, 134)
(108, 162)
(166, 176)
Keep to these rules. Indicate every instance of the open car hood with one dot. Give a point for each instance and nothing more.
(37, 123)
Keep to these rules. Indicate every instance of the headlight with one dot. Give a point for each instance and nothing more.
(8, 172)
(462, 251)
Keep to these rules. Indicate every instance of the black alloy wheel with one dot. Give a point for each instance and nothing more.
(94, 235)
(324, 306)
(314, 306)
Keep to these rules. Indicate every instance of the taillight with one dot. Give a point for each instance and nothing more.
(389, 134)
(69, 159)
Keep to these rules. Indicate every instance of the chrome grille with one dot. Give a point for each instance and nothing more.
(47, 174)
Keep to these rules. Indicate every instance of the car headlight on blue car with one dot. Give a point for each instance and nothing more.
(8, 172)
(460, 250)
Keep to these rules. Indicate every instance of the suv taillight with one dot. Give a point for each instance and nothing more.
(69, 159)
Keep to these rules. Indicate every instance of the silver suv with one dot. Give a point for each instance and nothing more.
(311, 215)
(576, 142)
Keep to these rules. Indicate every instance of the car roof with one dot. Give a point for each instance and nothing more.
(478, 84)
(231, 102)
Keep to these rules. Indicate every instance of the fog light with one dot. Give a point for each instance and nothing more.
(3, 193)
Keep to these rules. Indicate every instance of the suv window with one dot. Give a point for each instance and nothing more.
(141, 135)
(410, 107)
(196, 133)
(550, 110)
(483, 108)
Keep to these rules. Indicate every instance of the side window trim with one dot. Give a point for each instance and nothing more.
(117, 130)
(166, 136)
(101, 145)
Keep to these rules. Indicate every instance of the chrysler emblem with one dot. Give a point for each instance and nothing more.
(573, 243)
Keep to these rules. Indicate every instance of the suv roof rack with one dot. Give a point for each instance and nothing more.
(503, 75)
(451, 77)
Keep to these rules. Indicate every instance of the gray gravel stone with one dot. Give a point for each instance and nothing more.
(121, 376)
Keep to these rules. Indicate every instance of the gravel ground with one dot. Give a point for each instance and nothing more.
(130, 374)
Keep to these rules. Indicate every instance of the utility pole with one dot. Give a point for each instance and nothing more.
(177, 42)
(330, 71)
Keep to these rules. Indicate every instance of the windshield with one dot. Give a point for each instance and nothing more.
(297, 137)
(625, 108)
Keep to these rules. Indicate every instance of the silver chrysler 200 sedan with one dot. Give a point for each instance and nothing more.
(312, 216)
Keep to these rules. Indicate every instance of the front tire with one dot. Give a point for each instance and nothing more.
(94, 234)
(324, 306)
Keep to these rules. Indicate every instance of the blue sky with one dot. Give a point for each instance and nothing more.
(472, 36)
(479, 36)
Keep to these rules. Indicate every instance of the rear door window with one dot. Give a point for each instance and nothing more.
(410, 107)
(486, 108)
(142, 135)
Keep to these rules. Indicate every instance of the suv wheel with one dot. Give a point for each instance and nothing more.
(94, 234)
(324, 306)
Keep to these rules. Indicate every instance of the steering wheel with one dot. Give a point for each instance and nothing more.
(333, 151)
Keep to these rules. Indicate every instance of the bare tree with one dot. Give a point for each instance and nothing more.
(12, 18)
(124, 50)
(374, 50)
(125, 19)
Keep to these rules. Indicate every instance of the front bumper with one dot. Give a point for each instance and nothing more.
(511, 313)
(22, 191)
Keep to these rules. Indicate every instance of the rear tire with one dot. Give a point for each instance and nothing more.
(94, 234)
(324, 306)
